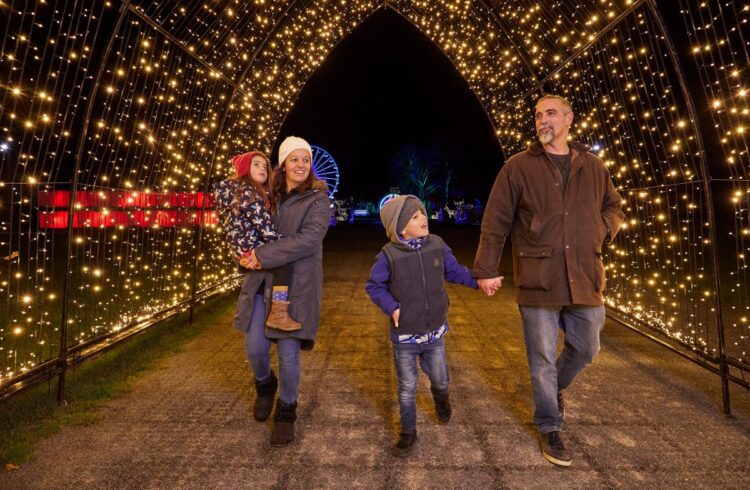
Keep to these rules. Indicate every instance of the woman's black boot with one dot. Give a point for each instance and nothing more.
(266, 390)
(283, 423)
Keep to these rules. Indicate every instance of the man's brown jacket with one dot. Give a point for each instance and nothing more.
(556, 236)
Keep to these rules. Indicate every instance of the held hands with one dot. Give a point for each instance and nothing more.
(395, 316)
(489, 286)
(250, 261)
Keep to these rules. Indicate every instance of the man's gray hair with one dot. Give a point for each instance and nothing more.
(562, 99)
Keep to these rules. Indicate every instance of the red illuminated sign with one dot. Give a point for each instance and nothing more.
(122, 208)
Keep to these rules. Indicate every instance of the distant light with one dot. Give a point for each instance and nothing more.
(385, 199)
(596, 147)
(3, 146)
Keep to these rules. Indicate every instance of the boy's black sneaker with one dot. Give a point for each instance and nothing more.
(553, 448)
(405, 444)
(560, 405)
(443, 408)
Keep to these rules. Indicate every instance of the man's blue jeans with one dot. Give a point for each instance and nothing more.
(258, 348)
(550, 373)
(432, 361)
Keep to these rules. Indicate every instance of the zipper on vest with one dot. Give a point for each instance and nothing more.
(424, 289)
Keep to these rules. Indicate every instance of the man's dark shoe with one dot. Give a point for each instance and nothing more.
(560, 405)
(405, 444)
(283, 423)
(265, 390)
(553, 448)
(442, 405)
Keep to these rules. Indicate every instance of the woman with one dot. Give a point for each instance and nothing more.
(302, 211)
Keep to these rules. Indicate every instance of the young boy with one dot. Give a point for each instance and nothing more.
(407, 283)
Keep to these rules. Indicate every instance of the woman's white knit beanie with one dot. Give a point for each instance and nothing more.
(290, 144)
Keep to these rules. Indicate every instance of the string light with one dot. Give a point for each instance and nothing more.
(185, 87)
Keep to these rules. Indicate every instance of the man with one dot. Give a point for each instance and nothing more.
(559, 205)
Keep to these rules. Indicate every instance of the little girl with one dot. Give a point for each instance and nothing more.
(243, 205)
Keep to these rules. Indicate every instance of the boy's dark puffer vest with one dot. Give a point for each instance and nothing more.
(417, 284)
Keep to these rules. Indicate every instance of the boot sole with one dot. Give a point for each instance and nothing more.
(400, 453)
(554, 460)
(262, 418)
(281, 444)
(403, 452)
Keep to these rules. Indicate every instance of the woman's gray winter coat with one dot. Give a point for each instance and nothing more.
(302, 221)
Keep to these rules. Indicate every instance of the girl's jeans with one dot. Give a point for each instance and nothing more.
(258, 347)
(432, 361)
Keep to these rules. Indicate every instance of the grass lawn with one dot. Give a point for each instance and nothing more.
(30, 416)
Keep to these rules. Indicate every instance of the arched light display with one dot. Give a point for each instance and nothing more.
(116, 116)
(385, 199)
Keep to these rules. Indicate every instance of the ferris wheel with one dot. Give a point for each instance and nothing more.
(325, 168)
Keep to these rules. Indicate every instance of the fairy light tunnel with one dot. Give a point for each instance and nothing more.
(117, 116)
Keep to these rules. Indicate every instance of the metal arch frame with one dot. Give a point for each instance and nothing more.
(276, 26)
(577, 54)
(490, 4)
(62, 358)
(387, 5)
(708, 196)
(155, 25)
(59, 365)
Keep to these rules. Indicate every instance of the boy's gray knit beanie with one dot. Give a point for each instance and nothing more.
(411, 205)
(393, 210)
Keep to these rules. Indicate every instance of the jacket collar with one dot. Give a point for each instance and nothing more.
(402, 245)
(576, 163)
(537, 149)
(317, 187)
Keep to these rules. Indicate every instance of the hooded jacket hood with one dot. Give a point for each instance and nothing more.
(390, 212)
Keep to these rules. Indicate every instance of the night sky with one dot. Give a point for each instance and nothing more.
(387, 86)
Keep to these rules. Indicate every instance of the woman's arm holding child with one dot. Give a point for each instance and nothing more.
(303, 242)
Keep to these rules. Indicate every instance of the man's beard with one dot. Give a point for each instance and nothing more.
(545, 136)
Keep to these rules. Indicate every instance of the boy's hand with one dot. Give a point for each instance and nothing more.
(491, 285)
(395, 316)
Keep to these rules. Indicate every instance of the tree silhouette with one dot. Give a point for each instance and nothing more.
(421, 171)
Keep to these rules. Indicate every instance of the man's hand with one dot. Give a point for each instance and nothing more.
(395, 316)
(489, 286)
